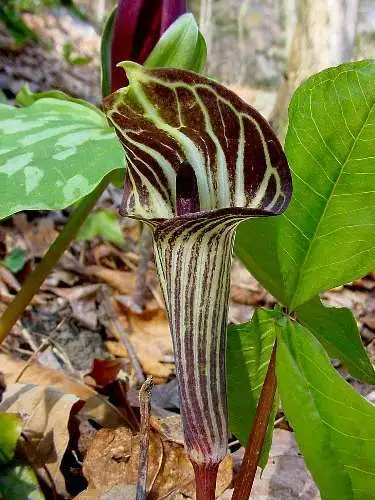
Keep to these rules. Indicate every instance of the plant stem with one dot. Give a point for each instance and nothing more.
(245, 478)
(49, 261)
(205, 481)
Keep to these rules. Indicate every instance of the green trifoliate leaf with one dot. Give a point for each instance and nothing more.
(103, 223)
(248, 354)
(52, 153)
(337, 330)
(10, 431)
(334, 425)
(195, 146)
(181, 46)
(327, 235)
(19, 482)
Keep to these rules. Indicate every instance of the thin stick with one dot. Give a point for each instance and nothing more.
(116, 324)
(145, 408)
(43, 346)
(138, 298)
(245, 478)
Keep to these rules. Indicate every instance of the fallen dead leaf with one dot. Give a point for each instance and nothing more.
(114, 458)
(46, 412)
(105, 371)
(95, 407)
(121, 281)
(82, 301)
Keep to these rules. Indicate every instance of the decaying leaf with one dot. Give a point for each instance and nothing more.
(95, 407)
(114, 457)
(149, 334)
(46, 412)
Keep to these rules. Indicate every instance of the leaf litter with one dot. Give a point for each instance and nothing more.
(81, 421)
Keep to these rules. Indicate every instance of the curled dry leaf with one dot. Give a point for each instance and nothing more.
(114, 459)
(46, 412)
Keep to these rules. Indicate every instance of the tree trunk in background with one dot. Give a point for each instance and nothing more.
(205, 23)
(324, 36)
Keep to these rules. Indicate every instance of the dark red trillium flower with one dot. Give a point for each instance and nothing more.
(138, 27)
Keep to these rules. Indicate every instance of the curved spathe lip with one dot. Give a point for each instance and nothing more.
(239, 213)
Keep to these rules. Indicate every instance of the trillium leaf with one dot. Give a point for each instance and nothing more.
(248, 354)
(168, 118)
(327, 235)
(52, 153)
(334, 425)
(337, 330)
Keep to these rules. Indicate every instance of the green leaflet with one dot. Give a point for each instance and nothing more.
(327, 235)
(336, 329)
(103, 223)
(52, 153)
(19, 482)
(169, 117)
(248, 354)
(334, 425)
(10, 431)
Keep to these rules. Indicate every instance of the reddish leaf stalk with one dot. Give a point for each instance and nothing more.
(205, 481)
(245, 478)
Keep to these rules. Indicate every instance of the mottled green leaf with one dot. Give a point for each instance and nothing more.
(10, 431)
(104, 224)
(337, 330)
(19, 482)
(52, 153)
(248, 354)
(327, 235)
(334, 425)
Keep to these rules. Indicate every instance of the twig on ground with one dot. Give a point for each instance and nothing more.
(117, 326)
(245, 478)
(43, 346)
(145, 409)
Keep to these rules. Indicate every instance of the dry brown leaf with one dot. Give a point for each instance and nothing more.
(150, 336)
(46, 412)
(118, 492)
(105, 371)
(124, 282)
(39, 375)
(38, 234)
(95, 407)
(82, 301)
(114, 458)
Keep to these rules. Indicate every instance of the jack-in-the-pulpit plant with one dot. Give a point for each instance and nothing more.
(200, 161)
